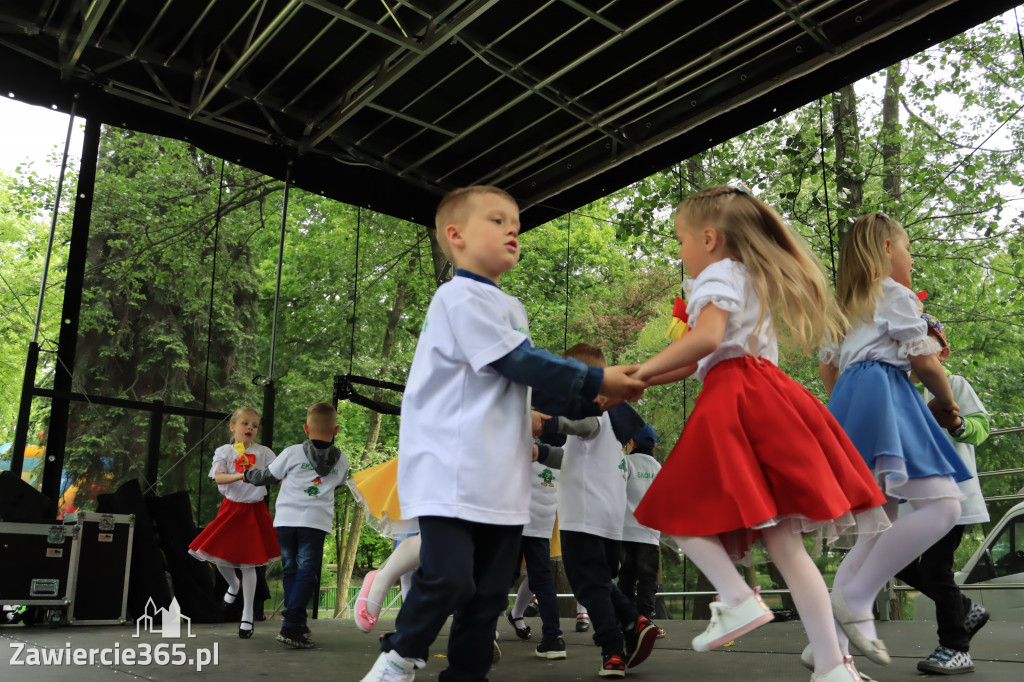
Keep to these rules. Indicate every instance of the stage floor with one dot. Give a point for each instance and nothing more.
(344, 653)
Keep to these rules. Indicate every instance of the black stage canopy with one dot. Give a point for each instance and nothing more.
(387, 104)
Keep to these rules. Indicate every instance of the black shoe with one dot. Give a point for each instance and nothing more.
(295, 638)
(243, 633)
(523, 631)
(582, 622)
(532, 610)
(551, 648)
(639, 641)
(612, 665)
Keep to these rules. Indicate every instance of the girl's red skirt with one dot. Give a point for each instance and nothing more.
(242, 534)
(759, 448)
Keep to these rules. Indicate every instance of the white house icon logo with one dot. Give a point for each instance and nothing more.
(170, 621)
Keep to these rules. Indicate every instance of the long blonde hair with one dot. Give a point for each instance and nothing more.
(787, 277)
(863, 264)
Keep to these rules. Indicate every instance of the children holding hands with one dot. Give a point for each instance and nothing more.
(760, 456)
(465, 439)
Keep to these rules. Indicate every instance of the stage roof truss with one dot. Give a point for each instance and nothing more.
(389, 103)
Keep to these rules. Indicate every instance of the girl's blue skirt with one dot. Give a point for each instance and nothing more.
(895, 432)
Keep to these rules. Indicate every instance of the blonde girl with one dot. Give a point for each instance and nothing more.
(896, 433)
(760, 456)
(242, 535)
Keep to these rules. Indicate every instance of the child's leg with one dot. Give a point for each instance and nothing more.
(628, 570)
(231, 578)
(932, 574)
(537, 552)
(648, 559)
(404, 559)
(809, 591)
(248, 596)
(586, 567)
(309, 545)
(449, 580)
(523, 598)
(713, 561)
(406, 582)
(893, 549)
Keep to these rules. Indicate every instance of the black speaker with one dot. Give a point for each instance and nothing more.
(21, 503)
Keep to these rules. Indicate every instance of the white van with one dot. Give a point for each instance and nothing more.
(998, 561)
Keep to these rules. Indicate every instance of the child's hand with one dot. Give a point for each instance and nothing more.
(536, 452)
(619, 385)
(537, 419)
(948, 415)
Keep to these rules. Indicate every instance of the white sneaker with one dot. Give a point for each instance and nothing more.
(729, 623)
(391, 667)
(844, 672)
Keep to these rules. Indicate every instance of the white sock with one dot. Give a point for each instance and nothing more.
(248, 595)
(523, 598)
(231, 578)
(890, 551)
(810, 593)
(581, 610)
(405, 558)
(713, 561)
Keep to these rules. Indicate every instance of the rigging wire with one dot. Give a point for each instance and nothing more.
(568, 256)
(355, 292)
(824, 185)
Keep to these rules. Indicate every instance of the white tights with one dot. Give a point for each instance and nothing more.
(873, 561)
(405, 559)
(786, 549)
(248, 590)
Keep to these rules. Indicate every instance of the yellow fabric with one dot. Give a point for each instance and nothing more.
(676, 329)
(379, 487)
(556, 541)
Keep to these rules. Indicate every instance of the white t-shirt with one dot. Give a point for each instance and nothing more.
(543, 501)
(592, 484)
(972, 507)
(725, 285)
(224, 462)
(465, 437)
(305, 499)
(641, 469)
(895, 332)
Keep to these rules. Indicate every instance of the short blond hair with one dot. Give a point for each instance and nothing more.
(588, 354)
(321, 417)
(863, 263)
(454, 210)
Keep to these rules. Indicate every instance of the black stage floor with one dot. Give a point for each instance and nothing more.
(345, 654)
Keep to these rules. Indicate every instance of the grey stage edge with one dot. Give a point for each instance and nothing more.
(344, 653)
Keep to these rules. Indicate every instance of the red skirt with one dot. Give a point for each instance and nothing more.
(242, 534)
(758, 448)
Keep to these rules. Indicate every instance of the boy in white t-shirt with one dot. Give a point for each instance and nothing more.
(958, 618)
(309, 474)
(591, 508)
(641, 556)
(465, 439)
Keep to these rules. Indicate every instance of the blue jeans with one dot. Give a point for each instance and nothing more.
(302, 553)
(537, 552)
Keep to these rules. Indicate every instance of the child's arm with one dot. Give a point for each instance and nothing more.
(929, 370)
(673, 376)
(222, 478)
(583, 428)
(976, 422)
(829, 374)
(260, 477)
(702, 340)
(549, 455)
(564, 385)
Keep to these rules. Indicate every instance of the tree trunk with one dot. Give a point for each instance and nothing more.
(849, 174)
(355, 526)
(890, 134)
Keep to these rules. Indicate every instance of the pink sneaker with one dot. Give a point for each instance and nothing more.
(365, 620)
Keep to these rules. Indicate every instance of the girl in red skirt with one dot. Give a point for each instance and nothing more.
(242, 535)
(760, 456)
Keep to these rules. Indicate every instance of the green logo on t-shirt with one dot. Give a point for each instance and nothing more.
(547, 478)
